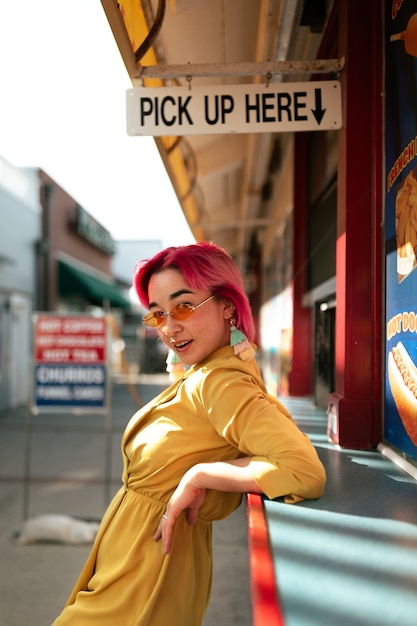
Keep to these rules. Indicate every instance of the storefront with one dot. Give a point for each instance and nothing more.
(315, 219)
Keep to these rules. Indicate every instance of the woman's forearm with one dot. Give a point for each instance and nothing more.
(234, 475)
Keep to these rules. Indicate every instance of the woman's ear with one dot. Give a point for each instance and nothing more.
(229, 310)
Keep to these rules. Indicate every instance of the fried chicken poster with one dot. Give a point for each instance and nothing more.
(406, 226)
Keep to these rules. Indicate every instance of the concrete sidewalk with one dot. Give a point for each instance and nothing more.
(75, 468)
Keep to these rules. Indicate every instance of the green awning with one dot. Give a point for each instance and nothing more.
(75, 282)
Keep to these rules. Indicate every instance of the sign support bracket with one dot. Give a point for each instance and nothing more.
(267, 68)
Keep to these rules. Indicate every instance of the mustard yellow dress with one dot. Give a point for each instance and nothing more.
(220, 410)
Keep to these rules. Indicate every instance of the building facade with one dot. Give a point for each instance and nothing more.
(54, 257)
(20, 213)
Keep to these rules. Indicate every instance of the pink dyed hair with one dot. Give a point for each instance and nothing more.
(204, 266)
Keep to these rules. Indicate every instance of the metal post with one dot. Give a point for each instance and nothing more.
(27, 465)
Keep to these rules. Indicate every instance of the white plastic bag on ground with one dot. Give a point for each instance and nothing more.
(56, 529)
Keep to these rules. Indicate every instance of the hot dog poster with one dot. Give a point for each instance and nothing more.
(400, 416)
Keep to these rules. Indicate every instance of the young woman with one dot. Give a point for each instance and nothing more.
(189, 454)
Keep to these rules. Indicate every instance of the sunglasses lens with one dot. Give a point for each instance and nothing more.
(181, 311)
(153, 319)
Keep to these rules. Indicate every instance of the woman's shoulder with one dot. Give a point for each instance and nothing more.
(223, 366)
(224, 359)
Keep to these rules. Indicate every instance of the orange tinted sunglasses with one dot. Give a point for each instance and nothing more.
(181, 311)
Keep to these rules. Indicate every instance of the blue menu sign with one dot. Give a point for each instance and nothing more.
(70, 362)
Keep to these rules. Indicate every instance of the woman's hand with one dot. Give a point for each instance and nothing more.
(187, 497)
(235, 475)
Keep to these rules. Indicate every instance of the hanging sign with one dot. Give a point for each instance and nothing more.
(70, 362)
(277, 107)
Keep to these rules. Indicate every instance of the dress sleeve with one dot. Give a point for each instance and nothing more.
(284, 461)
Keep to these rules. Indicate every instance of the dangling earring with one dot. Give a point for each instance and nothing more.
(240, 343)
(174, 366)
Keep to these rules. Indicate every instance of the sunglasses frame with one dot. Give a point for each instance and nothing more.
(158, 317)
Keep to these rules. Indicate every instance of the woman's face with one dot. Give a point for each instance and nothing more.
(207, 329)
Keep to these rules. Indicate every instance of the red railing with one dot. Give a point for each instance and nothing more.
(266, 608)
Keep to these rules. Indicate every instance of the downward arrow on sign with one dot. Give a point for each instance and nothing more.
(318, 111)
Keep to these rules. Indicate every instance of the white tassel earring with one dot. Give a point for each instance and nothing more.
(241, 346)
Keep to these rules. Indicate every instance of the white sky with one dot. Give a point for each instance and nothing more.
(62, 108)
